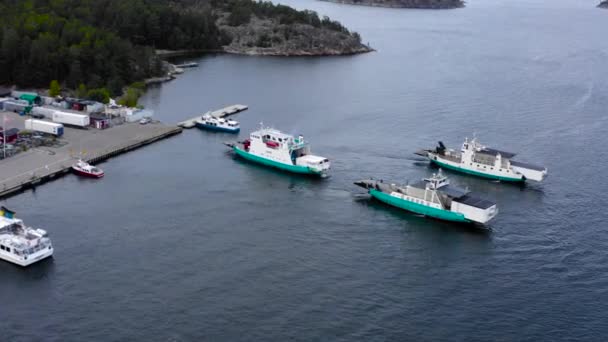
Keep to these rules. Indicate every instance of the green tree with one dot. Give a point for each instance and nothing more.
(54, 88)
(100, 95)
(130, 98)
(82, 92)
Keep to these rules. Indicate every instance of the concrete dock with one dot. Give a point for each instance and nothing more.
(220, 113)
(37, 165)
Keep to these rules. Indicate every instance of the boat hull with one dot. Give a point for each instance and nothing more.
(456, 168)
(274, 164)
(201, 125)
(87, 174)
(417, 208)
(32, 259)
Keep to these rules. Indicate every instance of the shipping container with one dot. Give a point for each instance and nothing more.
(65, 118)
(2, 100)
(44, 126)
(16, 106)
(135, 114)
(94, 107)
(11, 135)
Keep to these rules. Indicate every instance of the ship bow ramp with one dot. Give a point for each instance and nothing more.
(530, 171)
(474, 208)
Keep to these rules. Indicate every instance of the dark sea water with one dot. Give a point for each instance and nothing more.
(182, 242)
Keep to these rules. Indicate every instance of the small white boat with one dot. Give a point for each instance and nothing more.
(85, 169)
(20, 244)
(212, 123)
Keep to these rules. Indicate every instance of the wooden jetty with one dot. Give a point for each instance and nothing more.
(220, 113)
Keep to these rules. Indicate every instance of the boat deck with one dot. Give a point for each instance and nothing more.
(220, 113)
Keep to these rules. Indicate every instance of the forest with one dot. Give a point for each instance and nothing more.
(108, 44)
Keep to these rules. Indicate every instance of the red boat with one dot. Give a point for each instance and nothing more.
(84, 169)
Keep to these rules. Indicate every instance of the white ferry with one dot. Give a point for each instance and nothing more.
(433, 197)
(212, 123)
(479, 160)
(20, 244)
(274, 148)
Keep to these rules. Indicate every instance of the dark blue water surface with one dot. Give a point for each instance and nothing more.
(182, 242)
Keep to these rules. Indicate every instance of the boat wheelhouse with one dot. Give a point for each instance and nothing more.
(479, 160)
(271, 147)
(433, 197)
(20, 244)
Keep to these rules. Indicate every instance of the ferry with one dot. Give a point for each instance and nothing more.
(433, 197)
(213, 123)
(20, 244)
(479, 160)
(274, 148)
(84, 169)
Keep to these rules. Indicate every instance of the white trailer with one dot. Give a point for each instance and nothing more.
(44, 126)
(72, 119)
(44, 111)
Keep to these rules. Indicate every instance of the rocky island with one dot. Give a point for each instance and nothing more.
(278, 30)
(424, 4)
(106, 45)
(603, 4)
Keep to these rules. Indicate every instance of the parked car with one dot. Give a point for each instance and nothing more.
(145, 121)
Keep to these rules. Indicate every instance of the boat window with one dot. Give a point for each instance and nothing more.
(1, 247)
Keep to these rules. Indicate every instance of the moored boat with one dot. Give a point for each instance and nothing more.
(84, 169)
(210, 122)
(274, 148)
(433, 197)
(20, 244)
(479, 160)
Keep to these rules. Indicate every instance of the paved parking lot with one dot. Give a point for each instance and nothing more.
(27, 166)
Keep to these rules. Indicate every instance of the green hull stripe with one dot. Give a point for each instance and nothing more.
(475, 173)
(417, 208)
(272, 163)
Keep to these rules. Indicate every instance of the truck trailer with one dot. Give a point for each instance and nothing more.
(44, 126)
(72, 119)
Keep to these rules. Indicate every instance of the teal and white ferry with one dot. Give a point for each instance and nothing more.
(478, 160)
(433, 197)
(274, 148)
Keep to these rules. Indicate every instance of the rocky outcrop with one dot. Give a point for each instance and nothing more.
(425, 4)
(603, 4)
(270, 37)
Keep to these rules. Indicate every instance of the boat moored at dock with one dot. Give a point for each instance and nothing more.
(433, 197)
(479, 160)
(274, 148)
(212, 123)
(85, 169)
(20, 244)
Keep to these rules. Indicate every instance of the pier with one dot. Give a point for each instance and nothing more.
(28, 169)
(220, 113)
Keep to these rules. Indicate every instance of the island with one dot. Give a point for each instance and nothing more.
(603, 4)
(102, 47)
(423, 4)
